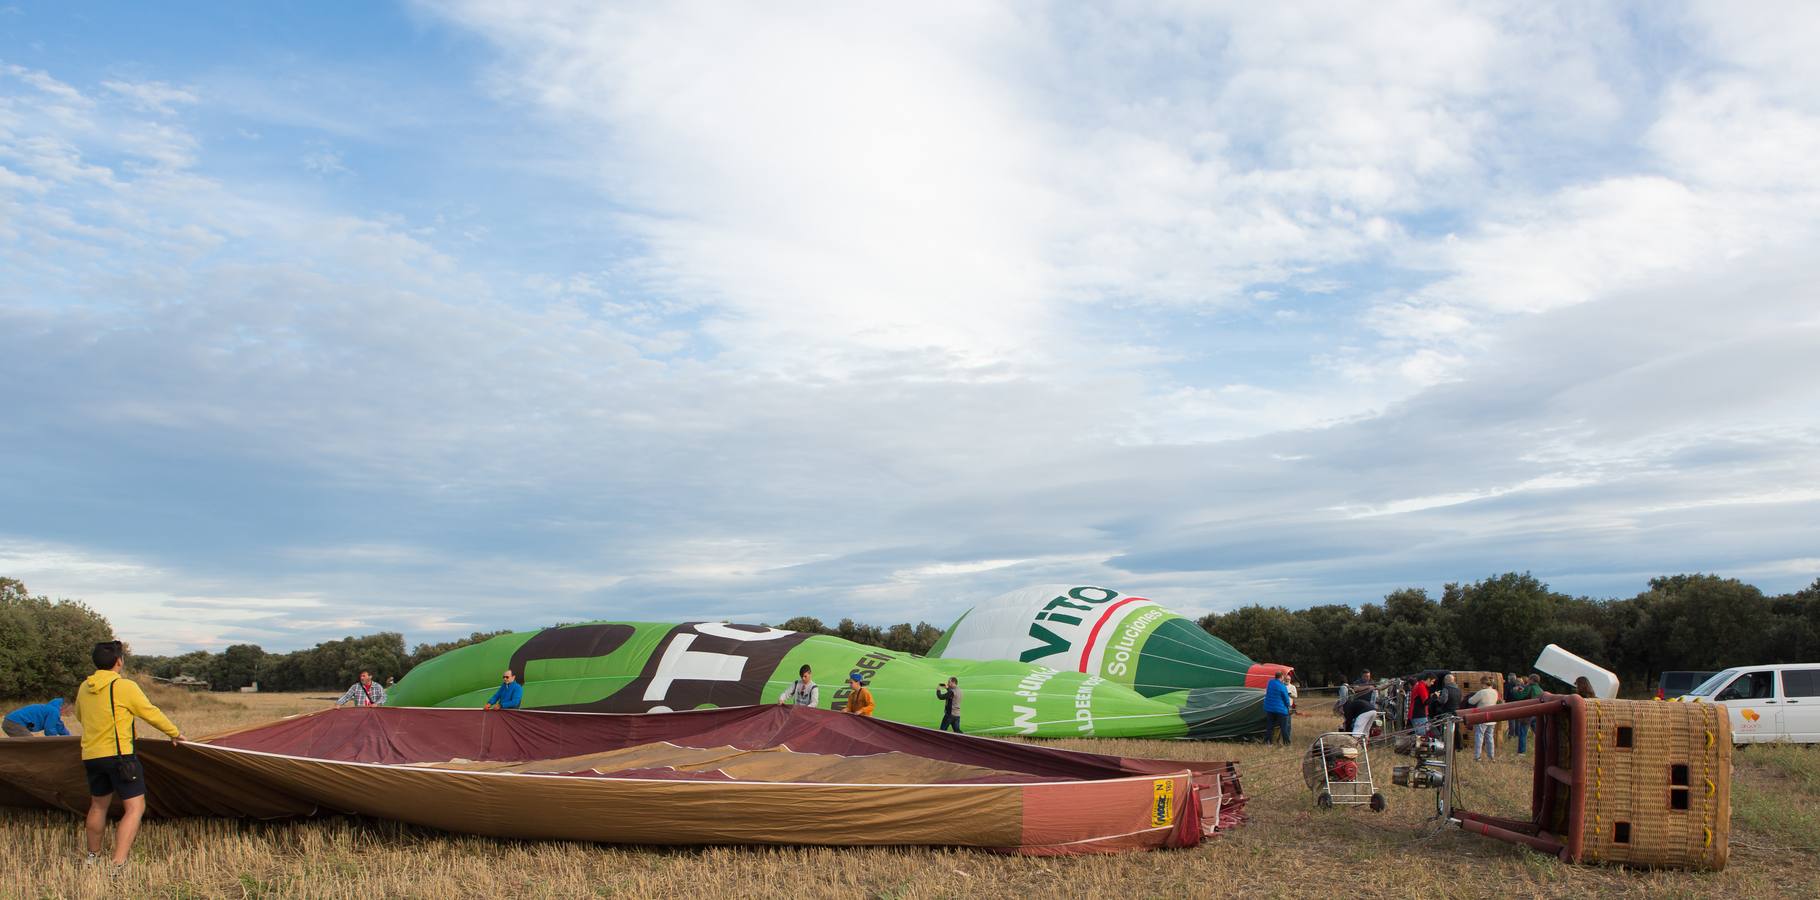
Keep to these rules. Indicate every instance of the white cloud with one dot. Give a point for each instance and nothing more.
(1481, 295)
(325, 162)
(152, 95)
(961, 177)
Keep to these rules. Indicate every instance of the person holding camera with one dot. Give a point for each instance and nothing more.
(106, 705)
(951, 704)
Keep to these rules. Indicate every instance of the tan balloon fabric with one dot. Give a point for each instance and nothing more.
(764, 775)
(734, 764)
(658, 811)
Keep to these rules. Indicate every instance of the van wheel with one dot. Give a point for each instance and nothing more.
(1377, 803)
(1325, 801)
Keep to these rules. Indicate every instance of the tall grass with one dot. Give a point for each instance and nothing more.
(1288, 849)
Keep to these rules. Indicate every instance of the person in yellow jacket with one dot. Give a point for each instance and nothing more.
(106, 705)
(859, 700)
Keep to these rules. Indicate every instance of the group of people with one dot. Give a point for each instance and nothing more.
(804, 692)
(1441, 696)
(1360, 706)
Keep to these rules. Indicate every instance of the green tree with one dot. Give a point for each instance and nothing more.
(1695, 622)
(236, 667)
(806, 625)
(902, 637)
(1503, 622)
(195, 664)
(1329, 656)
(1418, 634)
(44, 644)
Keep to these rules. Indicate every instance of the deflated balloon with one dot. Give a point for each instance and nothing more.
(1128, 640)
(659, 667)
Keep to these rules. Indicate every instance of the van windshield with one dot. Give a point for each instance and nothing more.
(1712, 684)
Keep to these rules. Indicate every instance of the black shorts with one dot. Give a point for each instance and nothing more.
(104, 778)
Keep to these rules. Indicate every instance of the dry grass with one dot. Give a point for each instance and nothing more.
(1289, 849)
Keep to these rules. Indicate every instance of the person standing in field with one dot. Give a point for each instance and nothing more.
(1418, 707)
(106, 705)
(1276, 708)
(44, 718)
(802, 691)
(1531, 690)
(951, 705)
(365, 692)
(859, 700)
(1509, 692)
(1453, 697)
(1485, 734)
(1519, 728)
(509, 695)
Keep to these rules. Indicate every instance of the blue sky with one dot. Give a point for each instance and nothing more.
(317, 319)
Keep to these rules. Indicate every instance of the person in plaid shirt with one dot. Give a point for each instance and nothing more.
(365, 692)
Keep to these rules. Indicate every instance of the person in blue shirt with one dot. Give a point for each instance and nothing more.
(1276, 707)
(509, 695)
(44, 717)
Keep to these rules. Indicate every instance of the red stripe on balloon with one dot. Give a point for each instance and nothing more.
(1094, 635)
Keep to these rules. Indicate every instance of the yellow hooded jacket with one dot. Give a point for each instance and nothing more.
(100, 725)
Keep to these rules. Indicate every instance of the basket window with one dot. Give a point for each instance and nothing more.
(1677, 798)
(1620, 832)
(1625, 740)
(1677, 775)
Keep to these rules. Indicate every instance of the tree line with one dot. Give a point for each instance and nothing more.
(333, 665)
(1500, 624)
(903, 637)
(1702, 622)
(328, 666)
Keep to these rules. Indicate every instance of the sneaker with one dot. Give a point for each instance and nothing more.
(92, 859)
(116, 870)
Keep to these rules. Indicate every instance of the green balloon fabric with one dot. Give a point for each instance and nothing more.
(1126, 639)
(661, 667)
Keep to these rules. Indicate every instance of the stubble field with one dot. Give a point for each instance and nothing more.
(1287, 849)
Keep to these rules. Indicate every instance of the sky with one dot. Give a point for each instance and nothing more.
(319, 319)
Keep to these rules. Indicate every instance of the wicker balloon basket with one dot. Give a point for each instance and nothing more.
(1622, 781)
(1657, 782)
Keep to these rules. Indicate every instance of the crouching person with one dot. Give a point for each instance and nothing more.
(40, 718)
(106, 705)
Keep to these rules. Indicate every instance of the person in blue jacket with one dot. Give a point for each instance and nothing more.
(43, 717)
(1276, 707)
(509, 695)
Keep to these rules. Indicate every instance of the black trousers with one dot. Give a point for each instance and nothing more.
(951, 719)
(1274, 723)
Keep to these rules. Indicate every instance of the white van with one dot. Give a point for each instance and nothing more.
(1767, 703)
